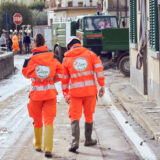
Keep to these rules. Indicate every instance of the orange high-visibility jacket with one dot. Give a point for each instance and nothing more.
(15, 44)
(44, 70)
(80, 66)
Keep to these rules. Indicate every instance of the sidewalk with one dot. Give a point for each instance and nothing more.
(145, 112)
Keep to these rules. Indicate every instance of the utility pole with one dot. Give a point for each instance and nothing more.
(118, 9)
(6, 22)
(126, 7)
(102, 5)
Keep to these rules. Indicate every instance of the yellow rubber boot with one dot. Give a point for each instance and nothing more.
(37, 142)
(48, 141)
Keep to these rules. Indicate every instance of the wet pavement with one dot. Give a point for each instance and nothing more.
(16, 129)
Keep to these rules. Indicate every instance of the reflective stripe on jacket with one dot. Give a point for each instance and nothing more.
(80, 68)
(43, 70)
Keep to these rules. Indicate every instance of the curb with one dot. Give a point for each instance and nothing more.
(137, 110)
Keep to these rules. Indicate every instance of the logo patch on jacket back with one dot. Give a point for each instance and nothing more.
(42, 71)
(80, 64)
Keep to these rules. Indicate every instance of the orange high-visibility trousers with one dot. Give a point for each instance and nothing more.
(15, 47)
(42, 110)
(88, 104)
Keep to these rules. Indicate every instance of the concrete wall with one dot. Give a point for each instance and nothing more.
(64, 13)
(67, 14)
(153, 65)
(153, 70)
(136, 76)
(75, 13)
(6, 64)
(153, 79)
(75, 3)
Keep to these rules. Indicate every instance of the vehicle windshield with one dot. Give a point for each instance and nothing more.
(99, 23)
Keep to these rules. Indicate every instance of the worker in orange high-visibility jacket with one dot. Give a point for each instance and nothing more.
(79, 88)
(15, 43)
(43, 70)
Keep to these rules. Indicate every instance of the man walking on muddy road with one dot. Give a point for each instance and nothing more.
(80, 66)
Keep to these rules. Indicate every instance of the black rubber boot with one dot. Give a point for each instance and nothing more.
(48, 154)
(75, 136)
(88, 133)
(38, 150)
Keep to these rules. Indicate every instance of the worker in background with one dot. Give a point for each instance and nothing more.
(79, 88)
(26, 42)
(9, 42)
(15, 44)
(3, 41)
(43, 70)
(20, 40)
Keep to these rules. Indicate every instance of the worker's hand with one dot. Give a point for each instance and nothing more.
(67, 99)
(101, 91)
(55, 80)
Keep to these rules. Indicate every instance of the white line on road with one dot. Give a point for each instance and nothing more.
(144, 150)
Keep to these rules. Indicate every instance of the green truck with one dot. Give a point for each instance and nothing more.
(99, 33)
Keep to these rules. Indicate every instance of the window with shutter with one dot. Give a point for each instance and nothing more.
(133, 21)
(154, 35)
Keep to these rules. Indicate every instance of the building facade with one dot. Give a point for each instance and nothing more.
(27, 2)
(60, 10)
(119, 8)
(144, 47)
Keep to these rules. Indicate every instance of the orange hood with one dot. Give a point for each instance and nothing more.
(76, 50)
(42, 56)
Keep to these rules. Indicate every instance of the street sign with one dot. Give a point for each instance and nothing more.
(17, 18)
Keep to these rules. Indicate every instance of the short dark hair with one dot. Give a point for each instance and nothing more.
(74, 41)
(39, 40)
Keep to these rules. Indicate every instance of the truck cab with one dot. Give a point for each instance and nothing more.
(89, 30)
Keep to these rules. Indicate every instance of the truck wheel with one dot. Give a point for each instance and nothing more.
(124, 65)
(59, 53)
